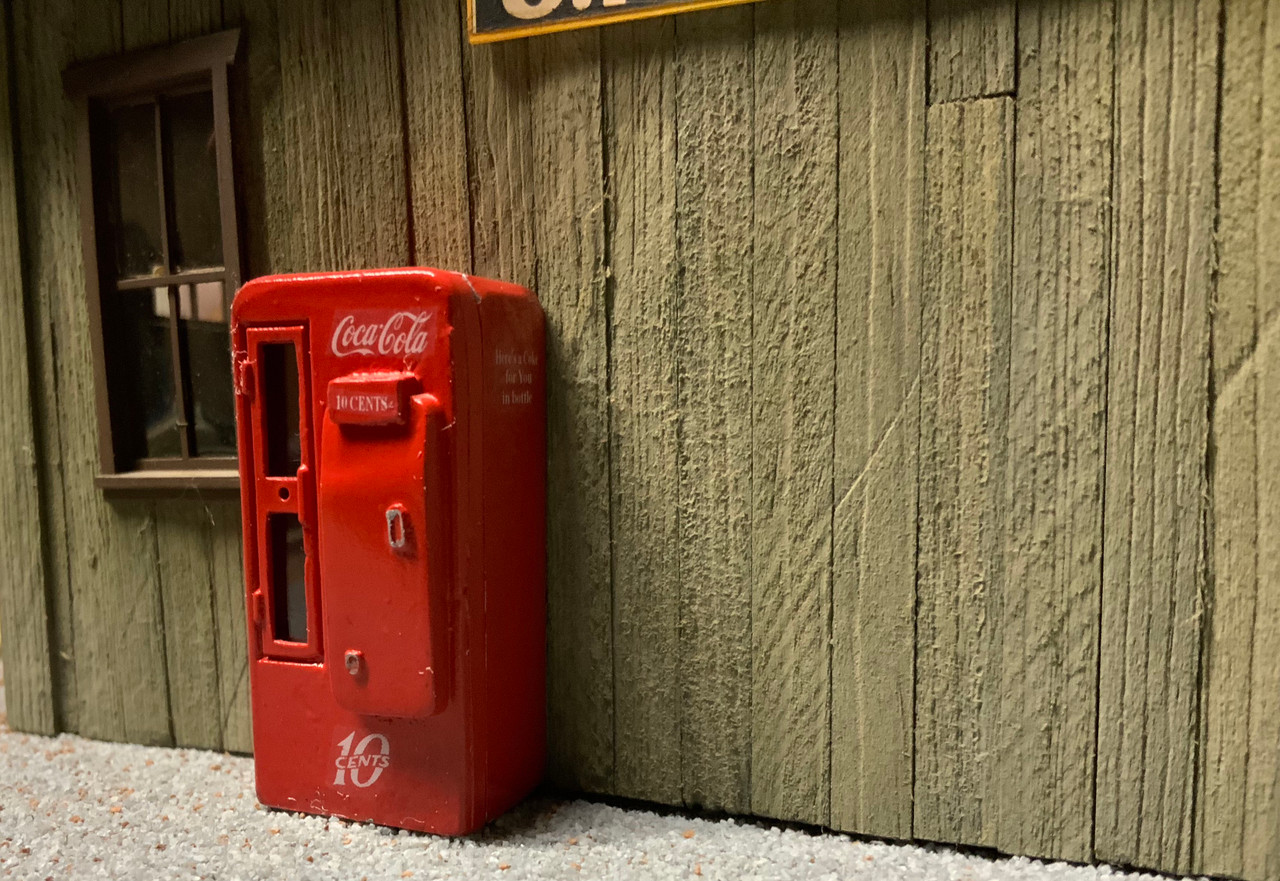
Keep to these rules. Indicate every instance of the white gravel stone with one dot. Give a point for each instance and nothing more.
(76, 808)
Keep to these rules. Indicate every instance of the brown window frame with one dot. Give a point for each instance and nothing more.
(142, 74)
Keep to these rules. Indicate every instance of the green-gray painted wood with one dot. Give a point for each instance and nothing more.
(144, 22)
(45, 205)
(792, 375)
(1238, 805)
(263, 196)
(877, 410)
(341, 137)
(971, 49)
(569, 223)
(499, 161)
(116, 623)
(714, 125)
(1056, 427)
(1157, 430)
(227, 557)
(963, 456)
(640, 151)
(193, 18)
(24, 611)
(184, 542)
(436, 135)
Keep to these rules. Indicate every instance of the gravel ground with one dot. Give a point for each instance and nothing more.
(75, 808)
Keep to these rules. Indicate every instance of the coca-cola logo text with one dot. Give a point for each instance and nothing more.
(406, 334)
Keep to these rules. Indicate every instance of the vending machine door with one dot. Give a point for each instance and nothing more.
(384, 545)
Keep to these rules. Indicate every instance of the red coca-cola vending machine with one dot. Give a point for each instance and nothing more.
(392, 471)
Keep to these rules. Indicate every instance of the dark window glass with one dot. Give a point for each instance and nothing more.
(135, 191)
(144, 352)
(279, 365)
(202, 314)
(288, 578)
(192, 174)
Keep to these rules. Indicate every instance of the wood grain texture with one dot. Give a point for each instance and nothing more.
(24, 611)
(640, 153)
(972, 49)
(714, 122)
(341, 137)
(184, 542)
(1238, 805)
(192, 18)
(231, 632)
(1157, 414)
(117, 633)
(792, 411)
(39, 142)
(963, 454)
(435, 116)
(1261, 840)
(143, 22)
(499, 161)
(877, 409)
(1057, 403)
(569, 230)
(262, 169)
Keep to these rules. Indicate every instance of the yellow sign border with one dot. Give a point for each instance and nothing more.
(575, 24)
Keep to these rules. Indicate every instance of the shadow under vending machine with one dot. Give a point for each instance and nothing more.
(391, 429)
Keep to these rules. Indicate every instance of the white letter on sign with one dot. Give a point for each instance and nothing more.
(525, 9)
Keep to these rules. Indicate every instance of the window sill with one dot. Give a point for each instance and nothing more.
(175, 482)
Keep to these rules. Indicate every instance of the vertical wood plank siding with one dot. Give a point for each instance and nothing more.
(963, 441)
(184, 542)
(1157, 430)
(435, 132)
(971, 49)
(792, 378)
(1239, 831)
(28, 661)
(115, 636)
(499, 160)
(714, 124)
(910, 455)
(877, 412)
(569, 226)
(1057, 428)
(640, 156)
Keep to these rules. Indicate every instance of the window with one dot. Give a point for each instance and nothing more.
(162, 261)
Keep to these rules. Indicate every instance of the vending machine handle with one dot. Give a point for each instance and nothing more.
(306, 500)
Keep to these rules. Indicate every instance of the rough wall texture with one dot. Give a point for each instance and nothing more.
(913, 388)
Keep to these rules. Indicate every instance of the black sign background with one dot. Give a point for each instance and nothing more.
(490, 17)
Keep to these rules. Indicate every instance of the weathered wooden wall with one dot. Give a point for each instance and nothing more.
(911, 396)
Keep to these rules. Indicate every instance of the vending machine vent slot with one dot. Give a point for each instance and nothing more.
(288, 578)
(279, 365)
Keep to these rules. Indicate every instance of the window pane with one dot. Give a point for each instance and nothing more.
(192, 174)
(135, 191)
(203, 323)
(279, 367)
(288, 578)
(143, 393)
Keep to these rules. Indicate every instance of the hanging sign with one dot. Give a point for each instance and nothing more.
(490, 20)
